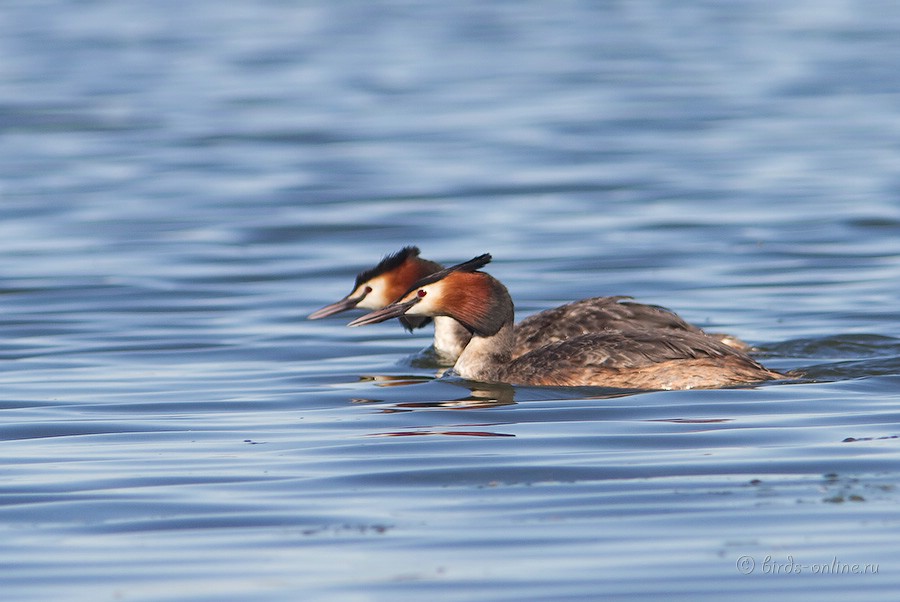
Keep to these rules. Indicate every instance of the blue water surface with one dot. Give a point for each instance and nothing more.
(182, 183)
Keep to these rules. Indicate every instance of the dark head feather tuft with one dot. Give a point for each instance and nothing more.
(471, 265)
(387, 264)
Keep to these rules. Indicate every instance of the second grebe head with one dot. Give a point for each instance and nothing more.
(475, 299)
(379, 286)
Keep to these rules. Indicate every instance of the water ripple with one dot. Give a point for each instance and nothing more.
(180, 193)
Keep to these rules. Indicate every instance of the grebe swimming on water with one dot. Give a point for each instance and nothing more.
(633, 358)
(379, 286)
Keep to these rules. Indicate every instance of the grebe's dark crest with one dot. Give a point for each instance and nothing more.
(648, 358)
(391, 262)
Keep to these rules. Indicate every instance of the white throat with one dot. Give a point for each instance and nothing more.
(450, 337)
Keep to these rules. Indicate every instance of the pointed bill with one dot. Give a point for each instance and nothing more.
(394, 310)
(335, 308)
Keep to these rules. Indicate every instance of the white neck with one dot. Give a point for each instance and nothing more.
(485, 357)
(450, 337)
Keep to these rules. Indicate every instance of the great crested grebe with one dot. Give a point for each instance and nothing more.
(379, 286)
(632, 358)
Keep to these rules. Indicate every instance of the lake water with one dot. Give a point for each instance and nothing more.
(182, 183)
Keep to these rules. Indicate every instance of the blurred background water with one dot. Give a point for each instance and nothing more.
(181, 183)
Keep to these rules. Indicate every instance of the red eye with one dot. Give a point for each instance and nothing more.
(421, 293)
(367, 290)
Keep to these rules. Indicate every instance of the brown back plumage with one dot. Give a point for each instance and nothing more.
(595, 314)
(643, 359)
